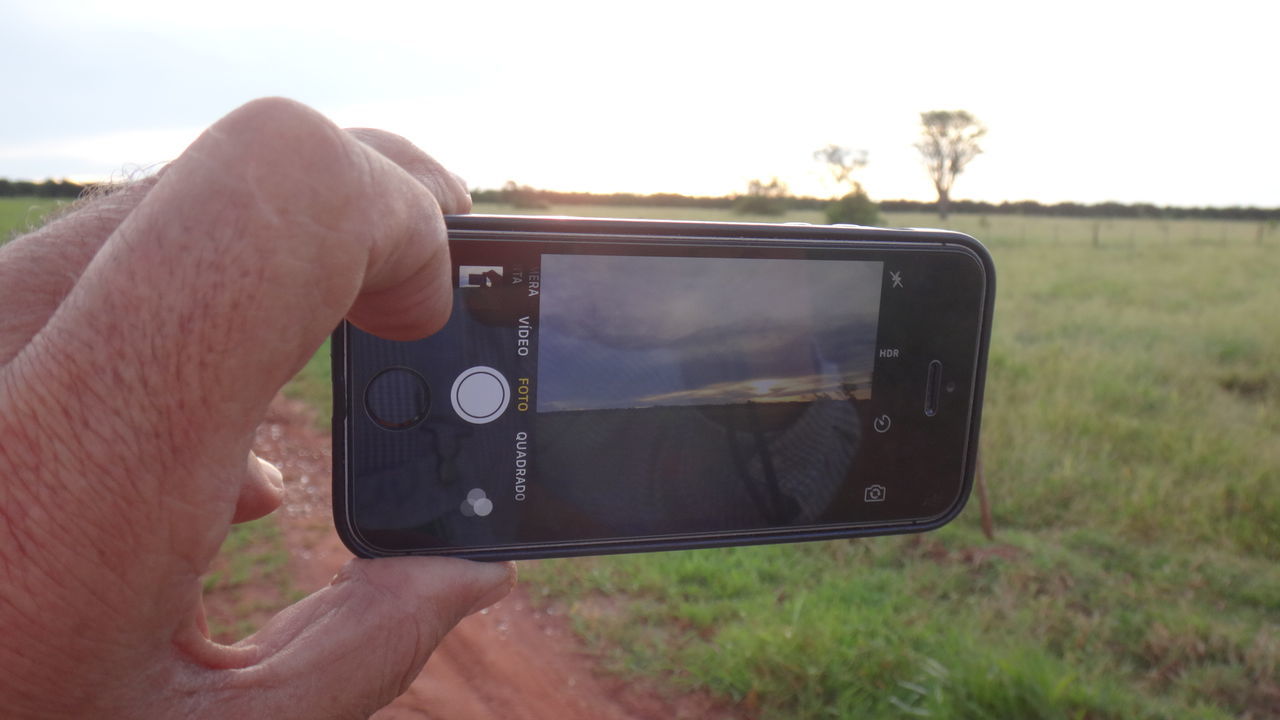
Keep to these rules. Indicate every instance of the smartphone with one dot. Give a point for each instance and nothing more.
(609, 386)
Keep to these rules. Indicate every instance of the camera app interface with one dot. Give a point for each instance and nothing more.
(607, 396)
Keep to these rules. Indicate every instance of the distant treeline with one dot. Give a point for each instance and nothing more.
(532, 197)
(47, 188)
(1090, 210)
(525, 196)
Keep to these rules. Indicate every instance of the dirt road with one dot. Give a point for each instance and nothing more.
(511, 661)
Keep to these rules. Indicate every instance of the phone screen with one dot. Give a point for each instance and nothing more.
(633, 333)
(580, 393)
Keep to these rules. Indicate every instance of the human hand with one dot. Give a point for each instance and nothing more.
(141, 340)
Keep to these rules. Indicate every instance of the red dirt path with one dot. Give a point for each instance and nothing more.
(511, 661)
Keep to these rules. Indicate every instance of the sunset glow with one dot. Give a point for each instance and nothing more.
(806, 388)
(683, 102)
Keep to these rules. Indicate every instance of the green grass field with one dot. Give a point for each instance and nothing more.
(19, 214)
(1132, 450)
(249, 580)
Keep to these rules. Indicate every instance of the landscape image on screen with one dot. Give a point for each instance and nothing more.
(637, 332)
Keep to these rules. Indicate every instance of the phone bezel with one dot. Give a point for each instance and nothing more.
(650, 232)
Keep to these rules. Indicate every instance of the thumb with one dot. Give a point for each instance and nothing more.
(353, 647)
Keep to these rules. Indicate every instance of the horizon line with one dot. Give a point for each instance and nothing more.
(802, 198)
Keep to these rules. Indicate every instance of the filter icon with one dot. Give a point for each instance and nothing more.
(476, 504)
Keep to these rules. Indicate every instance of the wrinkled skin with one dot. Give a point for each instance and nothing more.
(141, 339)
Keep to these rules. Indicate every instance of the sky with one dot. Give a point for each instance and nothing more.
(1169, 103)
(623, 332)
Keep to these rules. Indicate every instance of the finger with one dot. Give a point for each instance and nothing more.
(353, 647)
(448, 188)
(206, 299)
(262, 490)
(38, 269)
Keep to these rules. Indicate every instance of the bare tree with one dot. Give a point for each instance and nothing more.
(843, 162)
(949, 142)
(854, 206)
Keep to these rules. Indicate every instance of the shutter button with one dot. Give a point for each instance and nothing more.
(480, 395)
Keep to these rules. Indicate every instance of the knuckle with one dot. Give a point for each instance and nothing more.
(274, 113)
(284, 152)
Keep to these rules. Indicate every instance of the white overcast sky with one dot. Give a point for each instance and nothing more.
(1169, 102)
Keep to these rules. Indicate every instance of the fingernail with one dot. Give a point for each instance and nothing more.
(343, 574)
(272, 474)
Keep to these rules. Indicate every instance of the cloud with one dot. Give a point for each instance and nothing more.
(694, 98)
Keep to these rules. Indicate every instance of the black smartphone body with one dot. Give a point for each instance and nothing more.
(626, 385)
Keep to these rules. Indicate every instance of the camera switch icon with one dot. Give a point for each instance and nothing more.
(480, 276)
(873, 493)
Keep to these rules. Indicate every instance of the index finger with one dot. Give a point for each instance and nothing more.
(449, 189)
(156, 368)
